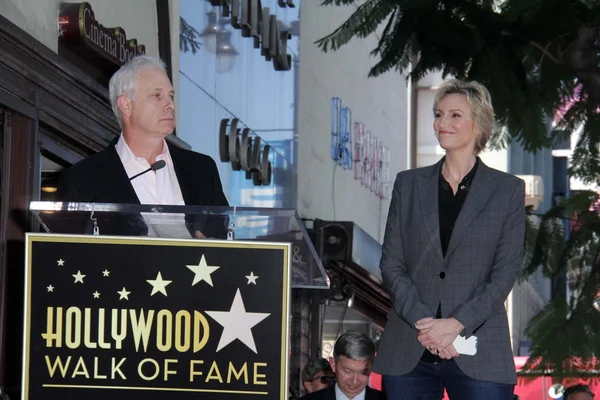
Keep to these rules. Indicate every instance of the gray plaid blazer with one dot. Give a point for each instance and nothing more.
(471, 282)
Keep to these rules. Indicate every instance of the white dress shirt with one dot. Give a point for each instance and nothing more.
(154, 187)
(339, 395)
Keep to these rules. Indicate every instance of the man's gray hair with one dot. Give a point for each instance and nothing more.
(354, 345)
(123, 81)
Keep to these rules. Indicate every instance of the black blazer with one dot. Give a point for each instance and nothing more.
(329, 394)
(94, 178)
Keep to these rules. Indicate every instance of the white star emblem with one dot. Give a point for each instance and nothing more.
(106, 272)
(61, 262)
(158, 285)
(237, 323)
(78, 277)
(96, 294)
(202, 271)
(124, 294)
(252, 278)
(50, 288)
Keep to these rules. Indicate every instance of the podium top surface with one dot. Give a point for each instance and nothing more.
(190, 222)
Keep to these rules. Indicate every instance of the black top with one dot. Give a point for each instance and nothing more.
(449, 205)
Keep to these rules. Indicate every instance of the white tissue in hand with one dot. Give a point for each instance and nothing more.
(466, 346)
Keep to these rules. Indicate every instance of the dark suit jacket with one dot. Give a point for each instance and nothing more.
(329, 394)
(471, 282)
(91, 179)
(94, 178)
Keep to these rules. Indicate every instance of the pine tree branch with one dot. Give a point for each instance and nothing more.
(361, 23)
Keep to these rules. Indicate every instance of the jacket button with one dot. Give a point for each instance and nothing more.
(442, 275)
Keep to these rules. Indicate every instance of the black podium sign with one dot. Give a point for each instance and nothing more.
(116, 317)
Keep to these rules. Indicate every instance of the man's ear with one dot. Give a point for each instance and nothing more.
(332, 363)
(306, 386)
(125, 105)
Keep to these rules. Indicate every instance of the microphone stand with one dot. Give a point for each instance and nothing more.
(96, 231)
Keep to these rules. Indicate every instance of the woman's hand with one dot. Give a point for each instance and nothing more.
(438, 334)
(448, 353)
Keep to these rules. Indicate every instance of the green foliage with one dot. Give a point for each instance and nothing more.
(565, 334)
(540, 61)
(524, 52)
(188, 37)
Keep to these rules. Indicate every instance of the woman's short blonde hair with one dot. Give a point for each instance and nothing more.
(480, 102)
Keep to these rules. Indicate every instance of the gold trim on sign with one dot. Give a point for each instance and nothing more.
(81, 17)
(285, 310)
(127, 240)
(27, 321)
(50, 385)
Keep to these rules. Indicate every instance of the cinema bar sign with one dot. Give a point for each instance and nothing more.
(79, 29)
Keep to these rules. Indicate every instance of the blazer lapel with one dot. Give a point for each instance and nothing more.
(329, 393)
(371, 394)
(479, 193)
(184, 176)
(428, 188)
(113, 167)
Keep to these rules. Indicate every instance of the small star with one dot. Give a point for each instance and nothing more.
(61, 262)
(50, 288)
(123, 294)
(106, 272)
(158, 285)
(78, 277)
(252, 278)
(202, 271)
(96, 294)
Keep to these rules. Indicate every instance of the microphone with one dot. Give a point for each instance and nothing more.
(154, 167)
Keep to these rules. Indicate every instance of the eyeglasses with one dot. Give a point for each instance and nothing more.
(325, 379)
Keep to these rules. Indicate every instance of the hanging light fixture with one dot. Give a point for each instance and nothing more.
(209, 33)
(226, 53)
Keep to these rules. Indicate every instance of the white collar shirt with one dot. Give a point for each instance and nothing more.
(339, 395)
(154, 187)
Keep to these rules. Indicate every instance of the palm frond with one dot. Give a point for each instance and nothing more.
(338, 2)
(363, 22)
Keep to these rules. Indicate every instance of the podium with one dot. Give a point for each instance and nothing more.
(124, 300)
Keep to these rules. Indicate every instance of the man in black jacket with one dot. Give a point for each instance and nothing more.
(142, 99)
(352, 359)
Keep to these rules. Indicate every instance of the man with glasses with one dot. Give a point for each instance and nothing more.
(317, 375)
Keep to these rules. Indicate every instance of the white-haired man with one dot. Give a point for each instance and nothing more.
(141, 96)
(142, 99)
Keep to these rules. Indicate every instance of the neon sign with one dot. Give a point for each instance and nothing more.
(341, 134)
(368, 156)
(371, 161)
